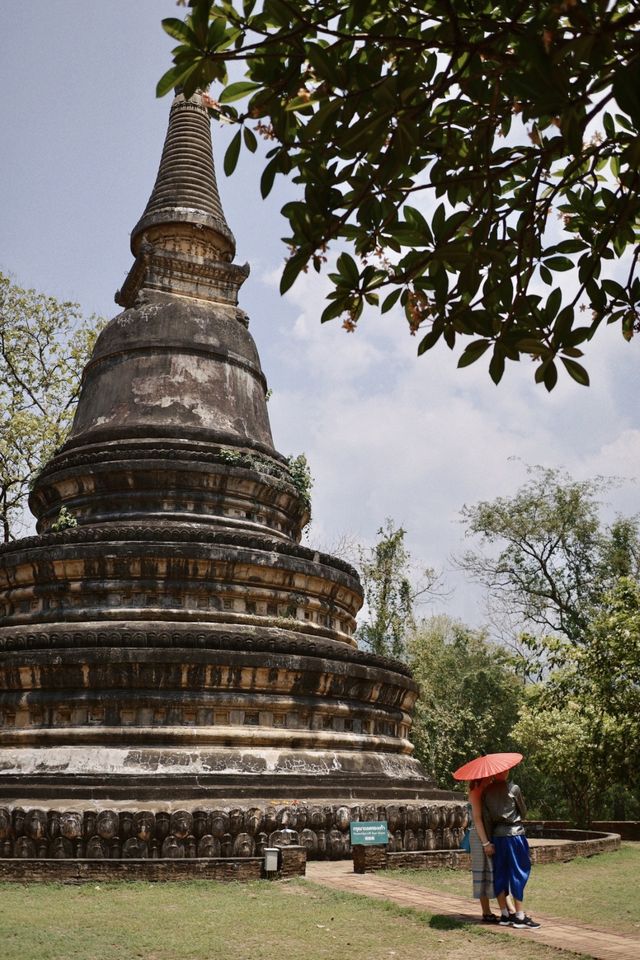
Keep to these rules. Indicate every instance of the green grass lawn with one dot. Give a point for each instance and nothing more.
(600, 890)
(202, 920)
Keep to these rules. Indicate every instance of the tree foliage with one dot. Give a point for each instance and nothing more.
(392, 587)
(547, 559)
(44, 345)
(469, 695)
(465, 156)
(581, 724)
(571, 747)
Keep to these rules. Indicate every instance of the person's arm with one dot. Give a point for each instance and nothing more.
(519, 799)
(475, 796)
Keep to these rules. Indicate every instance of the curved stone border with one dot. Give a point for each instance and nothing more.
(628, 829)
(579, 843)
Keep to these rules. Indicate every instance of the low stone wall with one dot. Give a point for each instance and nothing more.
(578, 843)
(368, 858)
(628, 829)
(292, 863)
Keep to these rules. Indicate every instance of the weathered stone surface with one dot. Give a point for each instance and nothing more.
(176, 659)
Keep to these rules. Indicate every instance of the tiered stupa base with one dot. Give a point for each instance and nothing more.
(178, 676)
(236, 828)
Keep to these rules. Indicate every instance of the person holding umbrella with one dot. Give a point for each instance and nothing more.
(503, 810)
(499, 869)
(481, 867)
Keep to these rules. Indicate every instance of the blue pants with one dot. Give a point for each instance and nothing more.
(511, 865)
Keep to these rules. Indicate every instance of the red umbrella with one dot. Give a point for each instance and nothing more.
(487, 766)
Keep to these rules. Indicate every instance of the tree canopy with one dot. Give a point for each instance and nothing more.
(44, 345)
(581, 724)
(469, 695)
(463, 158)
(392, 588)
(546, 558)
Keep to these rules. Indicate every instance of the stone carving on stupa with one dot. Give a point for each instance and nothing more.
(178, 675)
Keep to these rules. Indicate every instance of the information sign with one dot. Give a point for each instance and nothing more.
(369, 832)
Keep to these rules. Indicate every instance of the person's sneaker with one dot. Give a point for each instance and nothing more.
(507, 921)
(490, 918)
(526, 923)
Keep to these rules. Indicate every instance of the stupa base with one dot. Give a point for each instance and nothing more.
(194, 827)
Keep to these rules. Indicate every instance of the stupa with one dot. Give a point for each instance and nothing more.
(178, 675)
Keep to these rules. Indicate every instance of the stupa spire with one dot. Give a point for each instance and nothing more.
(182, 243)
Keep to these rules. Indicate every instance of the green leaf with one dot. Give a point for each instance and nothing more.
(496, 366)
(293, 267)
(609, 125)
(576, 371)
(626, 89)
(250, 140)
(615, 289)
(171, 79)
(390, 301)
(562, 325)
(179, 30)
(232, 154)
(332, 311)
(216, 32)
(550, 376)
(323, 66)
(473, 352)
(429, 340)
(559, 263)
(200, 19)
(268, 176)
(348, 268)
(553, 303)
(236, 91)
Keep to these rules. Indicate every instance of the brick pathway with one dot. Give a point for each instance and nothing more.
(556, 932)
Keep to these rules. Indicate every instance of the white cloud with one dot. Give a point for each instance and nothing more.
(389, 434)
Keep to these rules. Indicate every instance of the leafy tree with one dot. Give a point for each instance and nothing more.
(469, 695)
(392, 588)
(518, 124)
(44, 345)
(550, 558)
(607, 669)
(582, 722)
(574, 747)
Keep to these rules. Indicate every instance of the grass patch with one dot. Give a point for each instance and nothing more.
(200, 920)
(599, 890)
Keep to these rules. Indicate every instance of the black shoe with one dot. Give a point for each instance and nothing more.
(490, 918)
(507, 921)
(526, 923)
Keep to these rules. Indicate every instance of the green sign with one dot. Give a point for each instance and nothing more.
(369, 832)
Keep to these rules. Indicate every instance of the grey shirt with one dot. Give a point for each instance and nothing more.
(503, 809)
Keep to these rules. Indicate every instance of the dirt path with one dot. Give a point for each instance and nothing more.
(557, 932)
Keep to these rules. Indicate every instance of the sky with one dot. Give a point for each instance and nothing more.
(387, 434)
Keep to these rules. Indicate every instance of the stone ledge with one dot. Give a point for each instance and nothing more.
(579, 843)
(628, 829)
(173, 532)
(291, 863)
(172, 634)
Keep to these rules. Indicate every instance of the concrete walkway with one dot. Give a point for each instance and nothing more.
(556, 932)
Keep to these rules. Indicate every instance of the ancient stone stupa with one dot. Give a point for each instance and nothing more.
(179, 676)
